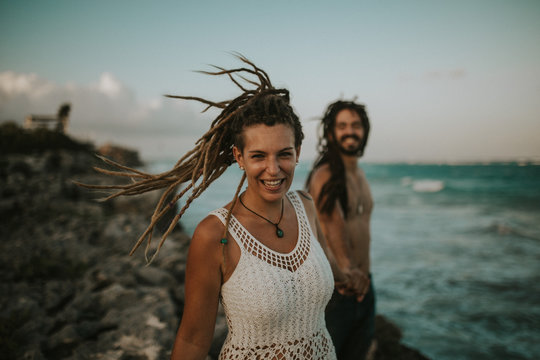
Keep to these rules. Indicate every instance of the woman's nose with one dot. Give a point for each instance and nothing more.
(272, 166)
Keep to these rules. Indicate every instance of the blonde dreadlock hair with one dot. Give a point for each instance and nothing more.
(212, 153)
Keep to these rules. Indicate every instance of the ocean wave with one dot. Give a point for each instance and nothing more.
(505, 229)
(427, 185)
(422, 185)
(406, 181)
(500, 228)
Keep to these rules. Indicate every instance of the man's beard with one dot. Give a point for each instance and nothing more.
(352, 151)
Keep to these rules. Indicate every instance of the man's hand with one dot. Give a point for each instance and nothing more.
(356, 284)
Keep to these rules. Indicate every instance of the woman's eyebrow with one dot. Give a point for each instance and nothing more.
(264, 152)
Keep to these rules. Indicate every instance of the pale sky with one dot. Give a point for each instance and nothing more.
(442, 80)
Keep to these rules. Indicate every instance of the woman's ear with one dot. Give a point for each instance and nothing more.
(238, 157)
(298, 153)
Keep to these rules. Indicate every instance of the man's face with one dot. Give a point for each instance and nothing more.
(348, 132)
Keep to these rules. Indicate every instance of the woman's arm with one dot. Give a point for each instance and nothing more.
(202, 288)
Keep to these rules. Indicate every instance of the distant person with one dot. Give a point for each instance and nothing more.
(261, 255)
(344, 203)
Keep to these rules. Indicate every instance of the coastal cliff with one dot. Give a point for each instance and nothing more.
(69, 289)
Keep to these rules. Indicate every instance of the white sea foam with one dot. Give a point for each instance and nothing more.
(428, 185)
(406, 181)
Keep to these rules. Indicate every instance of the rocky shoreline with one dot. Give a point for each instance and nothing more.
(70, 291)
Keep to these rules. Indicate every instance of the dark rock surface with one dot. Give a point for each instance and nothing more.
(69, 289)
(122, 155)
(389, 346)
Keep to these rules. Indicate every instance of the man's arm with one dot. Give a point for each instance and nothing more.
(333, 224)
(352, 281)
(311, 213)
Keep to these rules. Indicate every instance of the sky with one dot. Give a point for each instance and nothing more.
(442, 80)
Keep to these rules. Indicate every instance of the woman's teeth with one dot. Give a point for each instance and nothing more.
(272, 183)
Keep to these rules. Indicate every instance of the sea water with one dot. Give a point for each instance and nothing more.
(455, 249)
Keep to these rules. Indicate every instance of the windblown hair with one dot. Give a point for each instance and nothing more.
(329, 153)
(212, 153)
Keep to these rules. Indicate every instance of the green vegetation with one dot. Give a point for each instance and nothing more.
(16, 140)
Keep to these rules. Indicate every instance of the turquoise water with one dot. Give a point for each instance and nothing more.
(457, 257)
(456, 254)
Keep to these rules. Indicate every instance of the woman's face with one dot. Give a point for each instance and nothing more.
(268, 158)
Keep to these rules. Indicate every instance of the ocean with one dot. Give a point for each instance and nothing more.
(455, 249)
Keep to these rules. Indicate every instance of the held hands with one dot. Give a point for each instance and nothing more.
(355, 283)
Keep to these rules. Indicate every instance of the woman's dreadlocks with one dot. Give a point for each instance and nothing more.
(212, 153)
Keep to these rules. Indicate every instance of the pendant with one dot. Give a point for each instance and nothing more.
(279, 232)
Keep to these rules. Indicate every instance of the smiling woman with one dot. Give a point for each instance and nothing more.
(238, 254)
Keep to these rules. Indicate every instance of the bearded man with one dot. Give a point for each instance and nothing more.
(344, 203)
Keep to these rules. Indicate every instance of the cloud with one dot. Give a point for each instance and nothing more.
(452, 74)
(106, 110)
(13, 84)
(108, 85)
(435, 75)
(457, 73)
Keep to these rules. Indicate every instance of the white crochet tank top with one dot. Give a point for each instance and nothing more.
(274, 302)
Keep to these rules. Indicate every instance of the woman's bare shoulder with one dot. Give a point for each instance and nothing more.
(304, 195)
(309, 205)
(208, 233)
